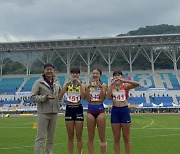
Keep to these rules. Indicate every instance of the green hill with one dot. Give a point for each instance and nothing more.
(156, 29)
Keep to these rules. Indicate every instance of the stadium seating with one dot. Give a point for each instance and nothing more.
(160, 79)
(166, 104)
(29, 83)
(10, 85)
(9, 102)
(147, 105)
(108, 102)
(178, 99)
(164, 99)
(136, 100)
(62, 79)
(26, 108)
(104, 78)
(145, 79)
(167, 80)
(28, 101)
(83, 78)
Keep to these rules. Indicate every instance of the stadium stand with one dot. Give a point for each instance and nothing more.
(107, 102)
(166, 104)
(136, 100)
(146, 80)
(167, 81)
(104, 78)
(83, 78)
(10, 85)
(178, 98)
(62, 79)
(163, 99)
(147, 105)
(9, 102)
(29, 83)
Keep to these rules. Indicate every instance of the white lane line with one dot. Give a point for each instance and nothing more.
(158, 136)
(159, 128)
(106, 127)
(152, 122)
(22, 147)
(14, 127)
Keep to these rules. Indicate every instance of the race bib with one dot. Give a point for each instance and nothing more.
(119, 96)
(95, 96)
(73, 97)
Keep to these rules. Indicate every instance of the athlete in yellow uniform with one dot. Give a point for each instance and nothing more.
(74, 111)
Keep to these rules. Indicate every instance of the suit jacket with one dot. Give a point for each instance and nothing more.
(39, 92)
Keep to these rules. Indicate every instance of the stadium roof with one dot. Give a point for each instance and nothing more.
(109, 48)
(122, 41)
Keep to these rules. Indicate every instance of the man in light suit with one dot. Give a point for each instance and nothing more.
(45, 94)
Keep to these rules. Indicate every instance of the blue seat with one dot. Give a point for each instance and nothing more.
(136, 100)
(164, 99)
(62, 79)
(10, 85)
(29, 83)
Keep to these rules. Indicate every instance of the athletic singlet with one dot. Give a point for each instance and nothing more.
(73, 94)
(95, 94)
(120, 93)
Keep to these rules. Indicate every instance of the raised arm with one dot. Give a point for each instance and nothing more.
(63, 90)
(130, 84)
(82, 89)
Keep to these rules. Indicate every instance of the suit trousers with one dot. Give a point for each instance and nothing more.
(46, 125)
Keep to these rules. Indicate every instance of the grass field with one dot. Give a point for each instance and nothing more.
(150, 134)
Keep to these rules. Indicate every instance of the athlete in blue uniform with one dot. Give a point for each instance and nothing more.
(120, 114)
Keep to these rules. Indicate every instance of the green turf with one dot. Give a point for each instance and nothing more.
(150, 134)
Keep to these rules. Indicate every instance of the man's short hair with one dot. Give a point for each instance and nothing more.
(48, 65)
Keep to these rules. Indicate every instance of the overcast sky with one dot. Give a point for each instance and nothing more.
(23, 20)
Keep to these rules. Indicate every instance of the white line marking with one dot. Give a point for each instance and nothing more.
(21, 147)
(152, 122)
(16, 147)
(14, 127)
(86, 128)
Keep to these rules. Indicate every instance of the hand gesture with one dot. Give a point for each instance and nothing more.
(49, 96)
(68, 83)
(93, 83)
(121, 79)
(114, 80)
(77, 81)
